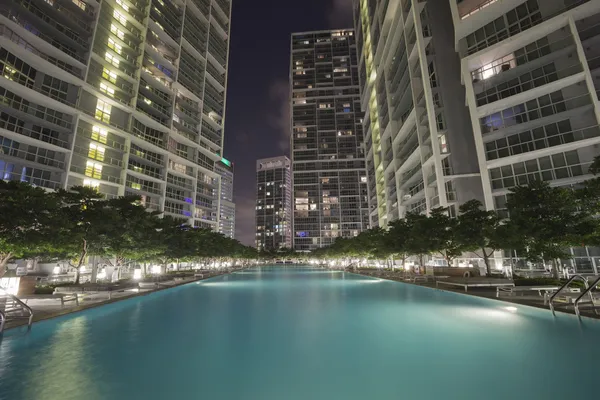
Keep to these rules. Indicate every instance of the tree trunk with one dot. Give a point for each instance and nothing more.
(486, 260)
(4, 262)
(80, 263)
(554, 269)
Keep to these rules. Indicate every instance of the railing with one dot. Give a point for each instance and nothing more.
(475, 9)
(490, 123)
(38, 135)
(510, 61)
(588, 291)
(2, 320)
(15, 309)
(85, 152)
(565, 286)
(494, 93)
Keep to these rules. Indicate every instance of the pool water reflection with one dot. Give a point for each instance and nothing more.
(286, 333)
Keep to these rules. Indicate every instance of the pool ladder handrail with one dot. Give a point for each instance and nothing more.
(588, 290)
(573, 278)
(22, 307)
(2, 320)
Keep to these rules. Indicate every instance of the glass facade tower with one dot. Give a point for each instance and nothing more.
(328, 158)
(125, 96)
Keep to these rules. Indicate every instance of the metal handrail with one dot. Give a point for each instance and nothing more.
(2, 320)
(20, 303)
(587, 291)
(574, 277)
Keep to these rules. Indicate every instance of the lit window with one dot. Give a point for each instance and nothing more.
(120, 34)
(93, 170)
(99, 134)
(147, 101)
(106, 89)
(120, 17)
(363, 179)
(110, 76)
(96, 152)
(111, 59)
(91, 183)
(79, 4)
(122, 4)
(136, 186)
(103, 111)
(114, 45)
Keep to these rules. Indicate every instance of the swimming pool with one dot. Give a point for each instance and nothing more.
(302, 334)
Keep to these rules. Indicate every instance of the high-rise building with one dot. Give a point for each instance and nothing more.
(225, 170)
(328, 159)
(273, 203)
(125, 96)
(531, 69)
(419, 142)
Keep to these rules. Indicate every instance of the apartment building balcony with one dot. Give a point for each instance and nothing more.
(90, 170)
(411, 176)
(158, 70)
(154, 110)
(24, 154)
(30, 111)
(217, 50)
(169, 18)
(145, 187)
(93, 151)
(182, 170)
(180, 182)
(178, 210)
(547, 108)
(142, 155)
(35, 177)
(141, 167)
(57, 58)
(33, 134)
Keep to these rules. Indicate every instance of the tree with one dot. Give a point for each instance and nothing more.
(87, 225)
(419, 240)
(482, 231)
(396, 239)
(546, 221)
(28, 218)
(443, 235)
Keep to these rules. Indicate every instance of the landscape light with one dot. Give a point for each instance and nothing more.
(137, 273)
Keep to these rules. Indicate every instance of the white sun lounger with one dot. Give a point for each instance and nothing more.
(523, 289)
(475, 284)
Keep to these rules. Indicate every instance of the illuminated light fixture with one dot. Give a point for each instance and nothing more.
(511, 309)
(137, 273)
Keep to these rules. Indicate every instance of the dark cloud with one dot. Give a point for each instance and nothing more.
(279, 97)
(244, 217)
(340, 14)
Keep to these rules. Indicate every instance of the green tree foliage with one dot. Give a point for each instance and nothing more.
(77, 223)
(27, 219)
(547, 220)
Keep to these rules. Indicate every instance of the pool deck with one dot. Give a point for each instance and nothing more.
(45, 309)
(530, 299)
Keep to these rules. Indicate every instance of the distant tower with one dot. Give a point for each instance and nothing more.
(273, 203)
(226, 206)
(328, 157)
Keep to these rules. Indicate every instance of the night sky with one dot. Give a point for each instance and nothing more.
(257, 114)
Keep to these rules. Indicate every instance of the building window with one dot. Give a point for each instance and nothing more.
(110, 76)
(103, 111)
(111, 59)
(107, 89)
(93, 170)
(96, 152)
(120, 17)
(99, 134)
(114, 46)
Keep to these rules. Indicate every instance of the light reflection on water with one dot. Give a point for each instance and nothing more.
(301, 334)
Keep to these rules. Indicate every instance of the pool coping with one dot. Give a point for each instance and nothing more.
(85, 307)
(475, 294)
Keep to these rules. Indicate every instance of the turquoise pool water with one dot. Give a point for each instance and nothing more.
(302, 334)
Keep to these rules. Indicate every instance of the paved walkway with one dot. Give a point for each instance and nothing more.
(528, 299)
(50, 308)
